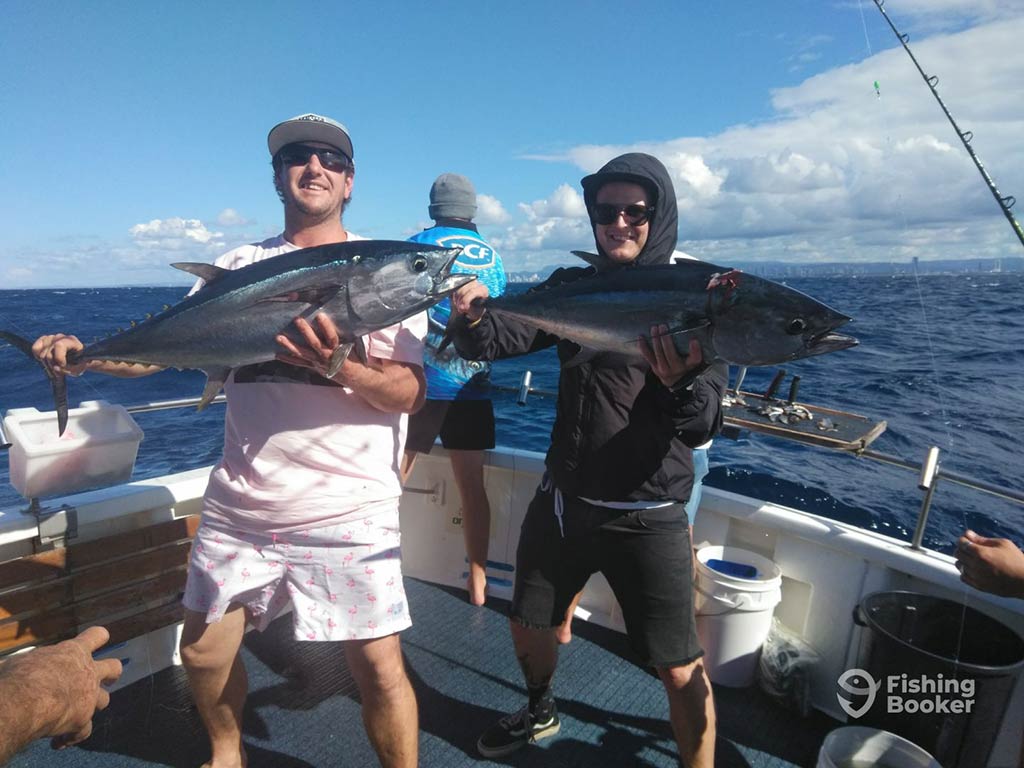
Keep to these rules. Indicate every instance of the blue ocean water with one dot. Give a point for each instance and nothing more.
(939, 360)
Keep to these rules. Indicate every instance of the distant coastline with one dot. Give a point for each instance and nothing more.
(773, 270)
(781, 269)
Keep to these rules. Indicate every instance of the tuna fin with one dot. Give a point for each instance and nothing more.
(316, 295)
(449, 329)
(215, 379)
(57, 382)
(583, 355)
(678, 330)
(593, 259)
(208, 272)
(338, 358)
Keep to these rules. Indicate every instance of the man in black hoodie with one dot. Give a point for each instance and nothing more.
(619, 472)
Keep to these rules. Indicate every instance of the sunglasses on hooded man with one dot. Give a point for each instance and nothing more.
(634, 214)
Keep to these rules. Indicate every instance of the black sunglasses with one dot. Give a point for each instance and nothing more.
(635, 214)
(299, 154)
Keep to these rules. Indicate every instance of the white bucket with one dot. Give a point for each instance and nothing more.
(854, 746)
(734, 613)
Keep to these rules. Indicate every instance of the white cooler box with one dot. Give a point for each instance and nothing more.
(97, 449)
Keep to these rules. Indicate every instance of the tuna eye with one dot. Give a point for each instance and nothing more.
(419, 264)
(799, 325)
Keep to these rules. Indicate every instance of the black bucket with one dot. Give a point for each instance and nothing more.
(946, 651)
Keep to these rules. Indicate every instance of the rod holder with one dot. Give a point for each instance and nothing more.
(524, 388)
(774, 386)
(926, 482)
(794, 388)
(740, 375)
(929, 469)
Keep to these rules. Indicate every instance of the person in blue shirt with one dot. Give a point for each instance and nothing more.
(458, 406)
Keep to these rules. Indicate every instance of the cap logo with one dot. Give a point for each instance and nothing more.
(312, 117)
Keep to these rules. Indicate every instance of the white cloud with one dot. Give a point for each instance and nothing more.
(141, 260)
(933, 15)
(489, 211)
(565, 201)
(175, 234)
(78, 262)
(229, 217)
(841, 173)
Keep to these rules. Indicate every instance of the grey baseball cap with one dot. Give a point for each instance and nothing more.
(310, 127)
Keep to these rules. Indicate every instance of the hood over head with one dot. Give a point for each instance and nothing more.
(648, 172)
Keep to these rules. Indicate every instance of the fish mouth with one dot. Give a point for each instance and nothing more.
(450, 284)
(828, 341)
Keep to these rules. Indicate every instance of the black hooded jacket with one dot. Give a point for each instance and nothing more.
(619, 433)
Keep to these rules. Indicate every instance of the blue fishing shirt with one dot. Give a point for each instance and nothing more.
(449, 377)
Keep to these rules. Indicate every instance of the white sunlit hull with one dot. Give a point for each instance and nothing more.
(827, 567)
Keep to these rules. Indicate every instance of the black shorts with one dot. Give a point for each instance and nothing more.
(464, 425)
(644, 554)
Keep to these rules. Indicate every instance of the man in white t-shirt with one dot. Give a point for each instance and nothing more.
(302, 509)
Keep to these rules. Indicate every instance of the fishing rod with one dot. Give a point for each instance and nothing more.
(1005, 203)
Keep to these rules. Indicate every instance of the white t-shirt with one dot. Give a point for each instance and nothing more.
(299, 452)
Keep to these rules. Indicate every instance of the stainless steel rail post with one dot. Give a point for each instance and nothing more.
(524, 388)
(927, 482)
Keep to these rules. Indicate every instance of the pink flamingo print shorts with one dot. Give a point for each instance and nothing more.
(343, 582)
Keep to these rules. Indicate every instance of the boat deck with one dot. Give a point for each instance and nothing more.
(303, 707)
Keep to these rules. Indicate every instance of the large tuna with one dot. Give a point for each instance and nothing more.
(737, 317)
(232, 320)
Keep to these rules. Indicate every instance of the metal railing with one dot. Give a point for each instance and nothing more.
(930, 469)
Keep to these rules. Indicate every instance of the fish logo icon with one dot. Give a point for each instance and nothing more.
(857, 682)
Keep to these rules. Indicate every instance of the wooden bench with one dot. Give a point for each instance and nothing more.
(131, 583)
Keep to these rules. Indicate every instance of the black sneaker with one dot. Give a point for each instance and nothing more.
(517, 730)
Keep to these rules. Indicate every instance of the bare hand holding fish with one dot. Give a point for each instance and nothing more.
(320, 346)
(469, 300)
(52, 351)
(384, 384)
(663, 357)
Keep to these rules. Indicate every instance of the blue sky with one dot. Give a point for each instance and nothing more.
(134, 133)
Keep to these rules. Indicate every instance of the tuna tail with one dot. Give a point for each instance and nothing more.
(57, 381)
(449, 329)
(449, 333)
